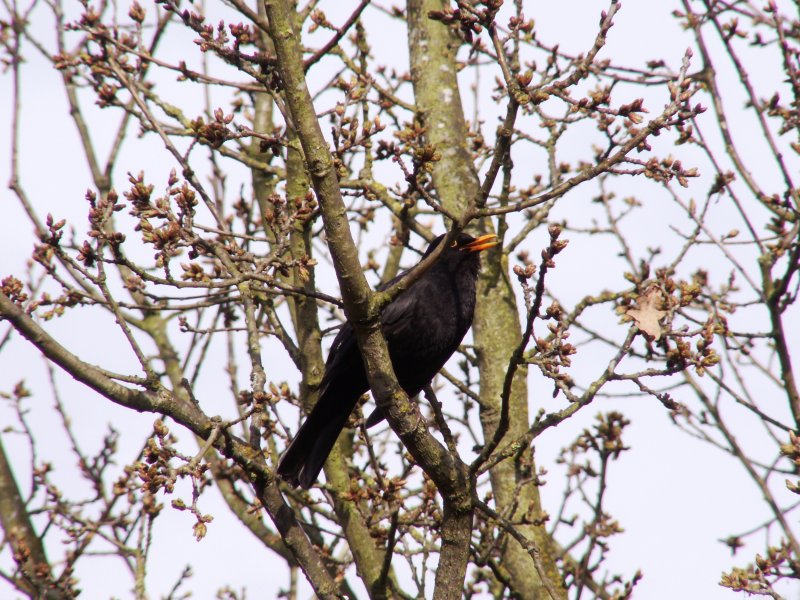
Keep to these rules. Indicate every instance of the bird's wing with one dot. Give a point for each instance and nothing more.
(398, 320)
(342, 342)
(343, 354)
(401, 313)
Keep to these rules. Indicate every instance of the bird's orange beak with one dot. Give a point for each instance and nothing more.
(482, 243)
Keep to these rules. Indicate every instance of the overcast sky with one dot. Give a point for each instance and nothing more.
(675, 497)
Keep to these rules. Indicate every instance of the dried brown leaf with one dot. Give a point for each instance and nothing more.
(648, 313)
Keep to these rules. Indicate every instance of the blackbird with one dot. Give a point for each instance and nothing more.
(423, 326)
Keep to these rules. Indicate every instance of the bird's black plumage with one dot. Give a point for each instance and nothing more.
(423, 326)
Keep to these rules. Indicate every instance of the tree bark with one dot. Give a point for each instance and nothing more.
(35, 578)
(362, 305)
(496, 328)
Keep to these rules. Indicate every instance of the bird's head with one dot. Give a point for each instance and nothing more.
(465, 243)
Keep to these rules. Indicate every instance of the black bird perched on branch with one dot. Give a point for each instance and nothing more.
(423, 326)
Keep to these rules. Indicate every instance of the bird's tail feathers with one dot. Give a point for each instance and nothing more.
(303, 460)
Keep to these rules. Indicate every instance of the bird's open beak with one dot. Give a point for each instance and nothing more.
(482, 243)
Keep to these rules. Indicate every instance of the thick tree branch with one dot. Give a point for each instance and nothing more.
(190, 416)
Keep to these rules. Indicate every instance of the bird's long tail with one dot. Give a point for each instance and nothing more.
(303, 459)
